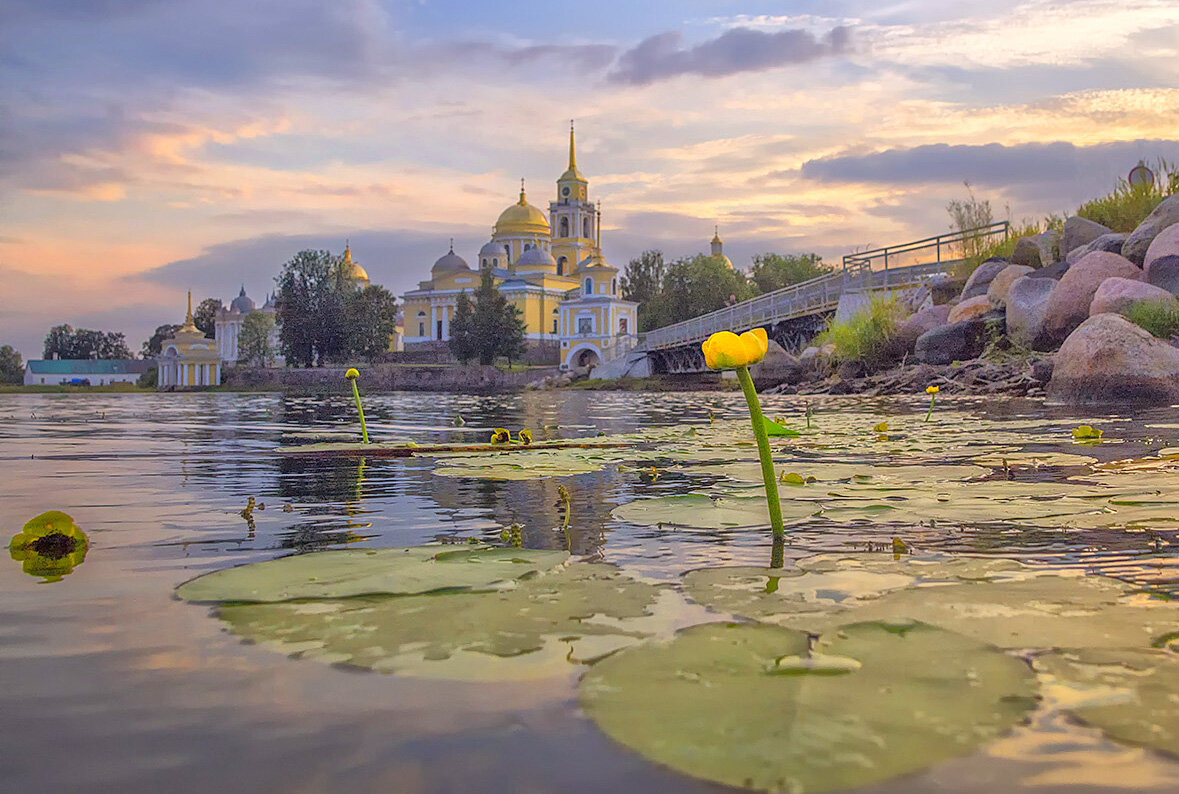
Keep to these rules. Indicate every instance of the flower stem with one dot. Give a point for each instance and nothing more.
(360, 410)
(763, 450)
(929, 413)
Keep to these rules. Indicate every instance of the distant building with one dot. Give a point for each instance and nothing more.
(86, 372)
(227, 326)
(189, 360)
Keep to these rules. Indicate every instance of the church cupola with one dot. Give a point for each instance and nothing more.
(572, 186)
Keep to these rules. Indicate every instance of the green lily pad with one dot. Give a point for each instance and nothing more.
(701, 511)
(1129, 694)
(354, 572)
(734, 704)
(775, 429)
(529, 465)
(538, 629)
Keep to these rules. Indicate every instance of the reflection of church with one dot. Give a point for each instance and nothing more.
(551, 268)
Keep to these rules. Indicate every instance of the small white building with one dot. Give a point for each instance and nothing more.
(83, 372)
(189, 359)
(227, 326)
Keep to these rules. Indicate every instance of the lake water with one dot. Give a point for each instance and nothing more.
(109, 683)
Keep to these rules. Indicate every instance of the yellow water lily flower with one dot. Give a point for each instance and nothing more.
(352, 374)
(525, 436)
(727, 350)
(49, 546)
(932, 390)
(501, 436)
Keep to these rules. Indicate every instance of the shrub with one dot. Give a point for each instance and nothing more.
(1128, 205)
(1160, 318)
(867, 335)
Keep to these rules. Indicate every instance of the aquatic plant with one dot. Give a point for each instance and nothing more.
(932, 392)
(726, 350)
(500, 435)
(50, 546)
(352, 374)
(1087, 433)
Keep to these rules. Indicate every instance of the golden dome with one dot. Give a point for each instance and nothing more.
(353, 270)
(522, 219)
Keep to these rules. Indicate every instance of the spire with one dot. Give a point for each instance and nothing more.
(717, 244)
(599, 227)
(347, 252)
(188, 317)
(242, 293)
(452, 245)
(572, 151)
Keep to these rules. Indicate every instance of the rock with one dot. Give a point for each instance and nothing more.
(980, 279)
(776, 367)
(1000, 284)
(1109, 360)
(1026, 253)
(918, 323)
(850, 370)
(809, 354)
(949, 343)
(1068, 305)
(1055, 272)
(1042, 370)
(1138, 242)
(1164, 274)
(1080, 231)
(943, 289)
(1027, 300)
(969, 309)
(1116, 294)
(1048, 242)
(1107, 242)
(1165, 244)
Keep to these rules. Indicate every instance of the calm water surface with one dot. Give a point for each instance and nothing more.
(109, 683)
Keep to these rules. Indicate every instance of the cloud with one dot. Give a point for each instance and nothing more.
(663, 56)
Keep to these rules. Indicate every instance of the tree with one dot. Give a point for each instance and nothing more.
(370, 316)
(694, 286)
(155, 345)
(11, 368)
(310, 308)
(774, 271)
(253, 341)
(642, 281)
(494, 328)
(205, 316)
(63, 341)
(970, 214)
(462, 330)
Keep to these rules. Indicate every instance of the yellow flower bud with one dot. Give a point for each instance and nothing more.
(932, 390)
(727, 350)
(352, 373)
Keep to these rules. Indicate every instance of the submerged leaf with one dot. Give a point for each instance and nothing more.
(773, 428)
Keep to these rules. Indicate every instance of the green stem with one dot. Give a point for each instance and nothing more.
(763, 450)
(360, 410)
(929, 413)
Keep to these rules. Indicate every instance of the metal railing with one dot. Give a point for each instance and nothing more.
(941, 245)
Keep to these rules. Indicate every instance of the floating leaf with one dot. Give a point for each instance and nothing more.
(49, 546)
(735, 704)
(354, 572)
(1086, 432)
(537, 629)
(700, 511)
(530, 465)
(775, 429)
(792, 478)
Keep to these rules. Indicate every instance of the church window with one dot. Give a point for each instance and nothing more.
(484, 261)
(495, 262)
(622, 325)
(439, 329)
(565, 191)
(585, 228)
(421, 329)
(564, 227)
(613, 286)
(589, 286)
(585, 325)
(561, 266)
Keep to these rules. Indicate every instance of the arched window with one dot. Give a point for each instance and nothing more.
(589, 286)
(556, 320)
(564, 227)
(613, 286)
(494, 262)
(484, 261)
(585, 228)
(527, 246)
(561, 266)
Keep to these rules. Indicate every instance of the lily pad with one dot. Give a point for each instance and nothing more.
(701, 511)
(355, 572)
(734, 704)
(538, 629)
(1129, 694)
(518, 466)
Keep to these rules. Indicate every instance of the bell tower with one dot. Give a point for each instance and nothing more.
(572, 217)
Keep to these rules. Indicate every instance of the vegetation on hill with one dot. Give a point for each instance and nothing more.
(867, 335)
(1127, 205)
(1160, 318)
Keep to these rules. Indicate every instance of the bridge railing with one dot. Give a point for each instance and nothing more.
(940, 249)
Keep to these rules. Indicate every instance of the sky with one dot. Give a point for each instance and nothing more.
(149, 147)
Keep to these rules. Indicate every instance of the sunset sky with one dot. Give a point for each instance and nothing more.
(152, 146)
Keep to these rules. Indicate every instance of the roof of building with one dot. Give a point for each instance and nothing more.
(352, 269)
(534, 256)
(450, 262)
(68, 366)
(243, 304)
(522, 219)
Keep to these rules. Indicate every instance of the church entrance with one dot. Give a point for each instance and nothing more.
(588, 358)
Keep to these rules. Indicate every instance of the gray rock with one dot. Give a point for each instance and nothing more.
(1042, 370)
(1164, 215)
(980, 279)
(1109, 360)
(1164, 274)
(1068, 306)
(943, 289)
(1027, 300)
(1166, 244)
(948, 343)
(969, 309)
(1116, 294)
(1026, 253)
(1049, 244)
(1080, 231)
(1111, 242)
(1055, 272)
(1000, 284)
(920, 322)
(776, 367)
(809, 354)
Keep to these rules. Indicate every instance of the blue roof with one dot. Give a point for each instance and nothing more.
(66, 366)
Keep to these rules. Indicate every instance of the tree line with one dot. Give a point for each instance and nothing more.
(669, 292)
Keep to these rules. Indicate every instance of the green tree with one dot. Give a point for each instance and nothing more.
(205, 316)
(694, 286)
(462, 341)
(11, 368)
(774, 271)
(310, 308)
(155, 345)
(642, 282)
(253, 341)
(497, 328)
(63, 341)
(370, 316)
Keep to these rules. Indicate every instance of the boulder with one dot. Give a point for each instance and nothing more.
(980, 280)
(1027, 300)
(969, 309)
(1026, 253)
(1080, 231)
(918, 323)
(1048, 242)
(1164, 274)
(809, 354)
(778, 366)
(949, 343)
(1068, 305)
(1055, 272)
(1107, 242)
(1109, 360)
(943, 289)
(1000, 284)
(1165, 244)
(1138, 242)
(1116, 294)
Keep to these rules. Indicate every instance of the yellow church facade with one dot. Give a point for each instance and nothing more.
(550, 267)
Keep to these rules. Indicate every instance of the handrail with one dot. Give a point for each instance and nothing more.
(936, 242)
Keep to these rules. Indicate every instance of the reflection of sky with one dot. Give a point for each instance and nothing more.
(152, 147)
(107, 659)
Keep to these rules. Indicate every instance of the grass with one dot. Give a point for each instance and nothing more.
(1006, 247)
(1128, 205)
(867, 335)
(111, 388)
(1159, 318)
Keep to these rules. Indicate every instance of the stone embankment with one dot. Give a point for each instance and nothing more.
(471, 379)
